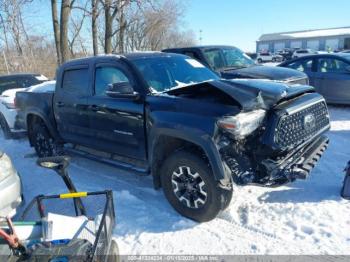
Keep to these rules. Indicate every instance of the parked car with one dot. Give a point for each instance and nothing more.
(169, 116)
(303, 52)
(328, 73)
(229, 62)
(268, 57)
(9, 85)
(286, 54)
(10, 187)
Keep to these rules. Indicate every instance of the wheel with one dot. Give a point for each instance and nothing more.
(42, 141)
(260, 61)
(189, 185)
(113, 255)
(273, 59)
(5, 127)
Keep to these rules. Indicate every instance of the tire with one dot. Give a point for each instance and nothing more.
(273, 59)
(260, 61)
(199, 198)
(43, 142)
(113, 255)
(5, 127)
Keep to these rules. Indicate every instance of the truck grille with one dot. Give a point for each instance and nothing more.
(295, 128)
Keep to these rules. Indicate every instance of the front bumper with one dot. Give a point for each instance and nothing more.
(10, 195)
(296, 165)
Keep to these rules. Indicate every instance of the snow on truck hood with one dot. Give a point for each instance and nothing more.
(251, 93)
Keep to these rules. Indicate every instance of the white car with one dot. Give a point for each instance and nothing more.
(10, 187)
(303, 52)
(9, 86)
(268, 57)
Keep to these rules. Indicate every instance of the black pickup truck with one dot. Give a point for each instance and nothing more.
(169, 116)
(229, 62)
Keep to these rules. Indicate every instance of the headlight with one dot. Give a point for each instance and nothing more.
(6, 167)
(242, 124)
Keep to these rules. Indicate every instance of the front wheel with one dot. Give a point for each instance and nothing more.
(260, 61)
(190, 187)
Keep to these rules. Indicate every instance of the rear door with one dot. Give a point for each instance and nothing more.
(70, 104)
(117, 123)
(333, 79)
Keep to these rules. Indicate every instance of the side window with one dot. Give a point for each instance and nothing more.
(107, 75)
(76, 81)
(331, 65)
(7, 84)
(302, 65)
(192, 54)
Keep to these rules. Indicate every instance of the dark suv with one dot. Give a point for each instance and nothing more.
(20, 81)
(169, 116)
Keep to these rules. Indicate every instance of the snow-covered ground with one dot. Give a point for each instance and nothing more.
(306, 217)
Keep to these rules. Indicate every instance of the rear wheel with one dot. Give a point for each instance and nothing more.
(5, 127)
(260, 61)
(190, 187)
(42, 140)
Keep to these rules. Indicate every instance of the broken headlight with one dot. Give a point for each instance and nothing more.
(242, 124)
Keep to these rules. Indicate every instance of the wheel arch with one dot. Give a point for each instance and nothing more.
(167, 142)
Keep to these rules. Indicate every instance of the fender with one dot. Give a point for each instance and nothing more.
(48, 122)
(193, 135)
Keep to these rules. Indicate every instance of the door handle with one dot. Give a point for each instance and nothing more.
(60, 104)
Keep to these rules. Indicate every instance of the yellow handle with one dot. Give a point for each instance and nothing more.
(73, 195)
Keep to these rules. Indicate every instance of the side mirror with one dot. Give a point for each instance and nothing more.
(122, 90)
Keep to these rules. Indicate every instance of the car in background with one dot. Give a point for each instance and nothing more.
(230, 62)
(268, 57)
(328, 73)
(303, 52)
(10, 187)
(9, 85)
(286, 54)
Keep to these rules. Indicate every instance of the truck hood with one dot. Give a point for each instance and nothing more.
(250, 94)
(263, 72)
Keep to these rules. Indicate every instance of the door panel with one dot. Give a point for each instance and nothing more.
(70, 103)
(334, 80)
(117, 124)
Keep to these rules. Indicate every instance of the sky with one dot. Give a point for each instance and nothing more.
(241, 22)
(238, 22)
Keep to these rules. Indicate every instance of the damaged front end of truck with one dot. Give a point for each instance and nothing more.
(277, 137)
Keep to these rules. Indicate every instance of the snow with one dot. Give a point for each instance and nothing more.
(306, 217)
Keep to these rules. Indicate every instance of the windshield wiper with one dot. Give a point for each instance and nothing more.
(234, 67)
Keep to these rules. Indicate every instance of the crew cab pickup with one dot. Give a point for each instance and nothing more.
(169, 116)
(229, 62)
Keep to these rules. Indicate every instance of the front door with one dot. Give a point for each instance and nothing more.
(117, 123)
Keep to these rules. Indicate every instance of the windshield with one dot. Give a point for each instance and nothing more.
(227, 58)
(167, 72)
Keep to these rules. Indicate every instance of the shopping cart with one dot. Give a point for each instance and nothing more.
(76, 226)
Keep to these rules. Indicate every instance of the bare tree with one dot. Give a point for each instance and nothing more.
(66, 7)
(56, 29)
(94, 21)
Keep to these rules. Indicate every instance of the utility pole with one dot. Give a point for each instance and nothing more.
(200, 36)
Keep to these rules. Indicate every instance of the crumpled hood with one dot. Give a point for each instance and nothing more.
(264, 72)
(250, 93)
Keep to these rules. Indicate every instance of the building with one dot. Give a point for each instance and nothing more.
(319, 40)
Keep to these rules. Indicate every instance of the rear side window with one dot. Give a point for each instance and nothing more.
(76, 81)
(331, 65)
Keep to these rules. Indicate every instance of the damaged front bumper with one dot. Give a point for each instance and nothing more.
(277, 171)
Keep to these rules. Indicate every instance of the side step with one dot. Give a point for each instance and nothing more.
(139, 167)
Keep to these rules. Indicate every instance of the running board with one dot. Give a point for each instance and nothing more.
(108, 159)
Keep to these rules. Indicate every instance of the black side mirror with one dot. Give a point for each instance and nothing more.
(122, 90)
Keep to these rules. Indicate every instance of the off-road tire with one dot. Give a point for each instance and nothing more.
(5, 127)
(215, 196)
(42, 140)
